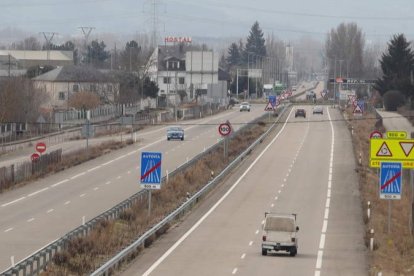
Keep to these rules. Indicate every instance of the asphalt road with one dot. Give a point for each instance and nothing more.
(308, 169)
(39, 213)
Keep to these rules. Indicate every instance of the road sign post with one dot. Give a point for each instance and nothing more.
(225, 130)
(151, 173)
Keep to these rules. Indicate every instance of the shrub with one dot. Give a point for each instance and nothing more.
(393, 99)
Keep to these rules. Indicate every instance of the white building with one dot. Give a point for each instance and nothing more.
(183, 73)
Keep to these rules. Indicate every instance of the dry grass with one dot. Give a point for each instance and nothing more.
(393, 252)
(82, 255)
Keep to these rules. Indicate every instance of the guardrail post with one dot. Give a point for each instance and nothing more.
(371, 241)
(369, 210)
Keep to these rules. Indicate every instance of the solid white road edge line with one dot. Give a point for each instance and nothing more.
(195, 226)
(328, 201)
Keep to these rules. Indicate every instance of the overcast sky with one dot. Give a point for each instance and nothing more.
(379, 19)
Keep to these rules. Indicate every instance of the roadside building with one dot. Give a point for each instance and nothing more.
(186, 75)
(22, 59)
(63, 82)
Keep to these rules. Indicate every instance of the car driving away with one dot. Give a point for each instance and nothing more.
(244, 106)
(300, 112)
(280, 233)
(318, 110)
(175, 133)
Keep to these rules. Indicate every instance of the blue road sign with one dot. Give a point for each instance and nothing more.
(272, 100)
(151, 170)
(361, 104)
(390, 180)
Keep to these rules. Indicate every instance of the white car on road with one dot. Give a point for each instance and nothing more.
(244, 106)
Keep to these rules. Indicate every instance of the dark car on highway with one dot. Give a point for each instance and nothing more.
(300, 112)
(175, 133)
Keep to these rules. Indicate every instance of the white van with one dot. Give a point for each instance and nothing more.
(280, 233)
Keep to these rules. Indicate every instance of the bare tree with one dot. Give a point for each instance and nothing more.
(30, 43)
(19, 100)
(344, 49)
(84, 100)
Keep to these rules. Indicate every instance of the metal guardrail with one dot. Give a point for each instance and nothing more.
(35, 263)
(114, 262)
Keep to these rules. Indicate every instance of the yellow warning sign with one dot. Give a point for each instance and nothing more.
(392, 150)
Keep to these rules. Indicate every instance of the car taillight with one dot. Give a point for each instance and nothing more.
(293, 239)
(264, 238)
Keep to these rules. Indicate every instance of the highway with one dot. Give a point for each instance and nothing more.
(307, 168)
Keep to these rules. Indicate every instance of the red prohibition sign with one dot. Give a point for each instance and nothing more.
(34, 157)
(41, 147)
(224, 129)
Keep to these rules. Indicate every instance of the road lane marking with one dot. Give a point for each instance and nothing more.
(14, 201)
(319, 259)
(257, 232)
(250, 243)
(119, 177)
(243, 256)
(8, 230)
(275, 197)
(50, 211)
(279, 191)
(272, 205)
(82, 195)
(95, 168)
(39, 191)
(78, 175)
(328, 202)
(30, 220)
(229, 191)
(108, 182)
(326, 216)
(325, 226)
(95, 189)
(322, 242)
(67, 202)
(283, 185)
(59, 183)
(263, 222)
(107, 163)
(284, 180)
(234, 271)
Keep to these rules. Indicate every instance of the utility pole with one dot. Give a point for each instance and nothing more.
(48, 37)
(86, 33)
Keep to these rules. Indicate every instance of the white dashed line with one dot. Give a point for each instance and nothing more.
(317, 273)
(97, 167)
(284, 180)
(107, 163)
(82, 195)
(319, 259)
(8, 230)
(325, 226)
(95, 189)
(234, 271)
(283, 185)
(59, 183)
(250, 243)
(67, 202)
(257, 232)
(279, 191)
(30, 220)
(263, 222)
(119, 177)
(322, 242)
(78, 175)
(50, 211)
(37, 192)
(272, 205)
(275, 197)
(243, 256)
(14, 201)
(328, 194)
(328, 202)
(326, 216)
(108, 182)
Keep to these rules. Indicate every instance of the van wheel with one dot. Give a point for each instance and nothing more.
(264, 252)
(293, 252)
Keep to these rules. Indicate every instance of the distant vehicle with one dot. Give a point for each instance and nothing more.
(280, 233)
(244, 106)
(300, 112)
(294, 88)
(317, 110)
(175, 133)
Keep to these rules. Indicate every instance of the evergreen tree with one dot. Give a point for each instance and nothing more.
(255, 45)
(96, 54)
(233, 55)
(397, 65)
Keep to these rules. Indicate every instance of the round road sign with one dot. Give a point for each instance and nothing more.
(41, 147)
(34, 157)
(375, 135)
(224, 129)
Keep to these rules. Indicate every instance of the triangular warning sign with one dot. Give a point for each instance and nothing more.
(384, 150)
(407, 147)
(357, 109)
(269, 107)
